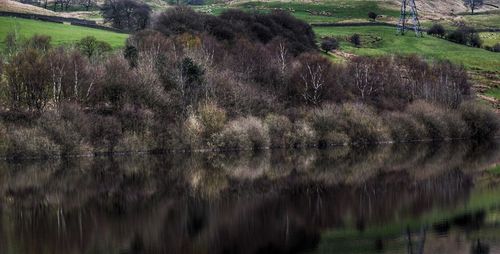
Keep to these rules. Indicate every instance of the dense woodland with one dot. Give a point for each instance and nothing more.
(236, 81)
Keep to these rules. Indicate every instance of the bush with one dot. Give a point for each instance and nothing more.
(30, 143)
(457, 128)
(106, 131)
(324, 121)
(494, 48)
(355, 39)
(362, 125)
(244, 133)
(466, 36)
(233, 136)
(404, 128)
(62, 132)
(192, 130)
(135, 119)
(329, 44)
(482, 122)
(303, 135)
(279, 130)
(134, 142)
(39, 42)
(457, 36)
(258, 133)
(372, 15)
(212, 118)
(431, 117)
(90, 46)
(437, 30)
(4, 140)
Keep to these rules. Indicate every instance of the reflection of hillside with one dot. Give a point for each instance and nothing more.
(273, 202)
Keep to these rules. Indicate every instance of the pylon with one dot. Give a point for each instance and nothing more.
(406, 14)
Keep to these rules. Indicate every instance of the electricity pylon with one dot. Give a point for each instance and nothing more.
(406, 14)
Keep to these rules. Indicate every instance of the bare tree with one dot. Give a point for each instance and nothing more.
(28, 78)
(312, 79)
(473, 4)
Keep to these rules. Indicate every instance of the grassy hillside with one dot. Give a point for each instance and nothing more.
(384, 40)
(13, 6)
(60, 33)
(314, 12)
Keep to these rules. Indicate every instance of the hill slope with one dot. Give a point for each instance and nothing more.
(383, 41)
(60, 33)
(13, 6)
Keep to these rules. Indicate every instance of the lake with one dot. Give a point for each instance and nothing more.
(411, 198)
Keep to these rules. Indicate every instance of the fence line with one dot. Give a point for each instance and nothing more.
(60, 20)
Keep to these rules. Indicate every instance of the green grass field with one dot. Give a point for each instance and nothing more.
(324, 12)
(490, 38)
(384, 40)
(495, 93)
(483, 20)
(61, 33)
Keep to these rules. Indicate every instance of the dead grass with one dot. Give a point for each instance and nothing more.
(12, 6)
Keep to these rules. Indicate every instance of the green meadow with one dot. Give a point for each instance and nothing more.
(61, 33)
(380, 40)
(313, 12)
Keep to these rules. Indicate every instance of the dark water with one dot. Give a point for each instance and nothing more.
(427, 198)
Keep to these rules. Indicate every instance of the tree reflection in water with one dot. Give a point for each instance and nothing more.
(394, 198)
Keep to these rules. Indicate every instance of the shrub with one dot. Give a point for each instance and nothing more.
(258, 132)
(482, 122)
(30, 143)
(244, 133)
(431, 117)
(324, 121)
(193, 131)
(134, 142)
(466, 36)
(355, 39)
(457, 36)
(404, 128)
(4, 140)
(39, 42)
(336, 138)
(135, 119)
(90, 46)
(303, 135)
(437, 30)
(457, 128)
(495, 48)
(233, 136)
(213, 119)
(475, 40)
(362, 125)
(372, 15)
(279, 130)
(106, 131)
(329, 44)
(62, 132)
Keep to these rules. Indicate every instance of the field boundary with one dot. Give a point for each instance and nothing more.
(493, 30)
(60, 20)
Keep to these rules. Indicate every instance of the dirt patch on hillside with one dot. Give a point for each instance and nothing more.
(12, 6)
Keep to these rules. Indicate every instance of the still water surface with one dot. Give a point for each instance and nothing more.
(425, 198)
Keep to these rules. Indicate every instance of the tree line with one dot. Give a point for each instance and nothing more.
(235, 81)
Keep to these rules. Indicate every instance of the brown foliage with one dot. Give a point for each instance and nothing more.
(28, 78)
(315, 79)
